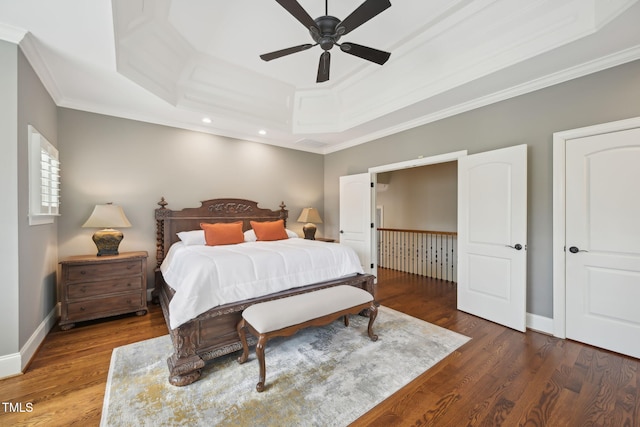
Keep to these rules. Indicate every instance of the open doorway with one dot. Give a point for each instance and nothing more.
(492, 228)
(419, 194)
(416, 220)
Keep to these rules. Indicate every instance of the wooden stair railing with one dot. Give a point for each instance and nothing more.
(424, 252)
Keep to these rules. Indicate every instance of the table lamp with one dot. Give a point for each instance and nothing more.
(107, 217)
(310, 216)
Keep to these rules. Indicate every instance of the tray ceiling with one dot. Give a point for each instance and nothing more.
(175, 62)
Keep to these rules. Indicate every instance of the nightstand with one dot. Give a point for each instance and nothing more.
(94, 287)
(325, 239)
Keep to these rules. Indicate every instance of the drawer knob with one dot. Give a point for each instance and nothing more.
(82, 308)
(83, 272)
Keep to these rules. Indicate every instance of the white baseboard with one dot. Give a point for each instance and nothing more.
(540, 323)
(10, 365)
(13, 364)
(33, 343)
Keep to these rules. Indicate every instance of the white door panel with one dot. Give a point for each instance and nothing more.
(355, 216)
(488, 188)
(492, 235)
(603, 240)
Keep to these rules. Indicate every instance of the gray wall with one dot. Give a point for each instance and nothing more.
(531, 119)
(28, 254)
(39, 243)
(133, 164)
(422, 198)
(9, 194)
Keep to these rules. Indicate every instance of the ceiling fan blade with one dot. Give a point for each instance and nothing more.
(284, 52)
(364, 52)
(298, 12)
(323, 67)
(364, 12)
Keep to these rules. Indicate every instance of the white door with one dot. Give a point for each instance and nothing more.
(603, 241)
(355, 216)
(492, 235)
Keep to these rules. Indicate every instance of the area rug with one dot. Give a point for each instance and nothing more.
(326, 376)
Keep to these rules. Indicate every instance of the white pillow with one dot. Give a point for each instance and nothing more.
(195, 237)
(250, 235)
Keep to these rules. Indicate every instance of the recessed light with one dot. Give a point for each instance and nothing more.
(206, 120)
(262, 132)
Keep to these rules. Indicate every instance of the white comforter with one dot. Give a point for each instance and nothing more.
(204, 277)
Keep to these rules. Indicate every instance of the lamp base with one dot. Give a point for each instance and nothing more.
(107, 241)
(309, 231)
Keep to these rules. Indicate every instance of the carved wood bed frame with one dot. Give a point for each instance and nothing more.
(213, 333)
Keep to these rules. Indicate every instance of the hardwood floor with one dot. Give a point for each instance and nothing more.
(66, 379)
(503, 377)
(499, 378)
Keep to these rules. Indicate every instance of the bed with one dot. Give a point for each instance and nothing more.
(213, 333)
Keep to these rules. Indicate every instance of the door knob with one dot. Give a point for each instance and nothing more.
(341, 231)
(575, 250)
(517, 246)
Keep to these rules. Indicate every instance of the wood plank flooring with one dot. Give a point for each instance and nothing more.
(503, 377)
(499, 378)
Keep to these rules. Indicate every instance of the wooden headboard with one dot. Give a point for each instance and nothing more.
(170, 222)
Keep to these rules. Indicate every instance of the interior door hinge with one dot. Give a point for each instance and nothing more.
(372, 185)
(373, 225)
(371, 265)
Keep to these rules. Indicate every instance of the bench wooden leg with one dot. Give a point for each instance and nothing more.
(262, 341)
(346, 320)
(243, 339)
(373, 313)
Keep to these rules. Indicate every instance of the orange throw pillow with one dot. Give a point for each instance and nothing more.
(223, 233)
(270, 230)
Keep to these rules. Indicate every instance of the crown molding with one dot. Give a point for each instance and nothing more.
(571, 73)
(30, 49)
(12, 34)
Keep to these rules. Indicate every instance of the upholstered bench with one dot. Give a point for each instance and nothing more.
(286, 316)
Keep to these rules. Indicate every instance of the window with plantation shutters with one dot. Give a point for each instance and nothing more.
(44, 179)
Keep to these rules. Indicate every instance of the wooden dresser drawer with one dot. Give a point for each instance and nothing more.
(83, 290)
(101, 270)
(93, 287)
(94, 308)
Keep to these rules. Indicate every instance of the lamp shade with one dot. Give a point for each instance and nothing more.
(310, 215)
(107, 216)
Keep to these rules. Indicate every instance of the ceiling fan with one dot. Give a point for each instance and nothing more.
(327, 30)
